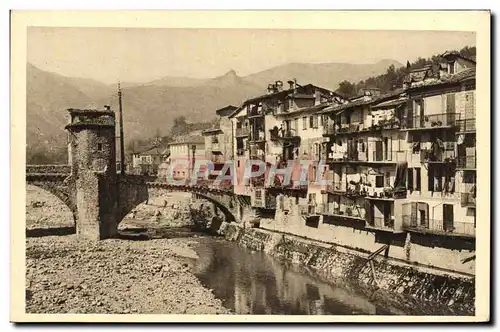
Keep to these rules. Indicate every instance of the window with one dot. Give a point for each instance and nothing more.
(99, 147)
(238, 163)
(409, 179)
(418, 180)
(258, 194)
(304, 123)
(387, 179)
(215, 139)
(379, 181)
(311, 122)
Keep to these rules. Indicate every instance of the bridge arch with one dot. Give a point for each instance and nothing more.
(134, 194)
(49, 192)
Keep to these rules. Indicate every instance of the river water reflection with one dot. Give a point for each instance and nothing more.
(255, 283)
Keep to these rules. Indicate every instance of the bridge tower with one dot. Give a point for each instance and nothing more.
(92, 141)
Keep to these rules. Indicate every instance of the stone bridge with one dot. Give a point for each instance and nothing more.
(131, 190)
(97, 195)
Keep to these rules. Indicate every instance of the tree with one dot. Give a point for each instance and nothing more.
(346, 89)
(179, 127)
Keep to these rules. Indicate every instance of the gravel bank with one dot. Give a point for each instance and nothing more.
(65, 274)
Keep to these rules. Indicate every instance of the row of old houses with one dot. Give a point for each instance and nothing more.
(392, 163)
(396, 162)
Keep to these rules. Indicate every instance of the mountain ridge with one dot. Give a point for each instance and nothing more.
(149, 107)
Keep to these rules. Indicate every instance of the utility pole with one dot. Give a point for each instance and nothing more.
(122, 143)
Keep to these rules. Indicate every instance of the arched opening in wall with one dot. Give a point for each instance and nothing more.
(46, 214)
(173, 214)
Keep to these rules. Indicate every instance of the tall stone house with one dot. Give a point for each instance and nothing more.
(219, 140)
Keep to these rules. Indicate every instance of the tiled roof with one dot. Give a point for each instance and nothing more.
(469, 73)
(184, 139)
(361, 102)
(389, 103)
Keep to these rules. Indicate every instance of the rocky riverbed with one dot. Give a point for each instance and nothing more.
(65, 274)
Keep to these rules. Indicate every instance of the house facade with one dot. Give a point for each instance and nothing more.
(148, 160)
(396, 167)
(184, 151)
(219, 140)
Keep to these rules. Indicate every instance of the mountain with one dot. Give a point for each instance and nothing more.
(177, 81)
(326, 75)
(153, 106)
(148, 108)
(47, 97)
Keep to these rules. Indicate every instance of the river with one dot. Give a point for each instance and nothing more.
(254, 283)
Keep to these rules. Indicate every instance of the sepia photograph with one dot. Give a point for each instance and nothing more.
(215, 170)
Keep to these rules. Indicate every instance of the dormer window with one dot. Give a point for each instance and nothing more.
(451, 67)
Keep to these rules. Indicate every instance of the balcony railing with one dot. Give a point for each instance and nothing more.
(439, 227)
(341, 212)
(256, 111)
(432, 121)
(393, 123)
(381, 222)
(329, 129)
(442, 156)
(466, 162)
(467, 125)
(336, 187)
(392, 157)
(240, 152)
(348, 128)
(242, 132)
(290, 134)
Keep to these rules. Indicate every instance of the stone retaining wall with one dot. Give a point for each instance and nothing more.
(452, 293)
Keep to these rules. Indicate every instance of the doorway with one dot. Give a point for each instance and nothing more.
(448, 217)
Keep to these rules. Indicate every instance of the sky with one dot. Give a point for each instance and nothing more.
(140, 55)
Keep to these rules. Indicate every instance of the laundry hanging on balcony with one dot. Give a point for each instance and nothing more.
(400, 178)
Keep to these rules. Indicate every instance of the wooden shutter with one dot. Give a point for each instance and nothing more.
(413, 214)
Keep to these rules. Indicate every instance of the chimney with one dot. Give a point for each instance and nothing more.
(317, 98)
(270, 88)
(107, 107)
(292, 84)
(279, 86)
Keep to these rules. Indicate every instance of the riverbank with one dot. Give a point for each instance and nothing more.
(68, 275)
(407, 288)
(65, 274)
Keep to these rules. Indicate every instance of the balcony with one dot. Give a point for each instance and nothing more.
(439, 227)
(242, 132)
(286, 135)
(309, 209)
(340, 212)
(386, 124)
(382, 223)
(445, 156)
(434, 121)
(466, 162)
(391, 157)
(329, 129)
(256, 112)
(466, 126)
(348, 128)
(468, 199)
(257, 137)
(386, 193)
(336, 187)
